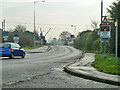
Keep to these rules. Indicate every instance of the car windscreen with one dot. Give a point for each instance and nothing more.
(5, 45)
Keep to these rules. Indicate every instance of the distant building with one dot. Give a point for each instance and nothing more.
(1, 35)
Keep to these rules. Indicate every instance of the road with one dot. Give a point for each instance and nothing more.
(45, 70)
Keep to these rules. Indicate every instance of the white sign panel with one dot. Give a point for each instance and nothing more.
(16, 39)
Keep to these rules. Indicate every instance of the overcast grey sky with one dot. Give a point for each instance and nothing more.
(55, 14)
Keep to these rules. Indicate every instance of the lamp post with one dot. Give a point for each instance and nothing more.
(74, 29)
(34, 22)
(101, 22)
(34, 19)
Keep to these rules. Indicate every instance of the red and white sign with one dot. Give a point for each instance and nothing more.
(105, 22)
(105, 29)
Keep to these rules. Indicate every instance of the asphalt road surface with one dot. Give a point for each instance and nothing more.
(45, 70)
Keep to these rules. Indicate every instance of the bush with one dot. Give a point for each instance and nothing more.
(26, 41)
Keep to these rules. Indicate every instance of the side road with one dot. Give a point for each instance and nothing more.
(39, 50)
(84, 69)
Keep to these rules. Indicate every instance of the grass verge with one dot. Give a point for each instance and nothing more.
(32, 47)
(107, 65)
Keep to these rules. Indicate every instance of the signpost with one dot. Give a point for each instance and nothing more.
(72, 37)
(5, 36)
(15, 36)
(41, 34)
(105, 33)
(116, 25)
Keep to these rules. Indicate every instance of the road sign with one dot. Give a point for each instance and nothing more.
(16, 39)
(15, 33)
(5, 35)
(104, 40)
(15, 36)
(105, 21)
(105, 29)
(72, 37)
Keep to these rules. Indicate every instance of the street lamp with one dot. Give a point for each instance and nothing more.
(34, 22)
(34, 19)
(74, 29)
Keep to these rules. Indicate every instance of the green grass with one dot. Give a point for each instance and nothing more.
(32, 47)
(107, 65)
(87, 51)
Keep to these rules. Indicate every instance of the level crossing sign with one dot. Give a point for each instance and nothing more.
(16, 36)
(105, 29)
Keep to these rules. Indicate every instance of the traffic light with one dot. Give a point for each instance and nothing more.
(105, 28)
(15, 35)
(72, 36)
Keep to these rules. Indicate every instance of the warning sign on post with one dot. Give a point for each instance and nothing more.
(16, 36)
(105, 29)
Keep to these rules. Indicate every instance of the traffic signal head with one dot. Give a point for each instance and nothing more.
(72, 36)
(105, 28)
(15, 35)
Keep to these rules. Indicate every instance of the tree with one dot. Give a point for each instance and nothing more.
(94, 24)
(20, 28)
(64, 35)
(114, 13)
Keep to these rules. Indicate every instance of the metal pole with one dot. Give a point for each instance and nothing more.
(100, 46)
(116, 24)
(2, 33)
(75, 30)
(101, 10)
(101, 22)
(34, 23)
(108, 46)
(104, 48)
(2, 25)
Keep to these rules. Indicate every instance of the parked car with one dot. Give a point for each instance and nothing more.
(11, 49)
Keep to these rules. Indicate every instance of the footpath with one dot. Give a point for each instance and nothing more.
(83, 68)
(39, 50)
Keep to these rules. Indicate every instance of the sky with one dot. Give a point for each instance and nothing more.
(58, 15)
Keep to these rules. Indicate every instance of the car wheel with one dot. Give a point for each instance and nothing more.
(23, 55)
(12, 56)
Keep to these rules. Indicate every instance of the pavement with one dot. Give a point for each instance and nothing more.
(39, 50)
(84, 69)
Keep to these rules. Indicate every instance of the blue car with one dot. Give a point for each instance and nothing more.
(11, 49)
